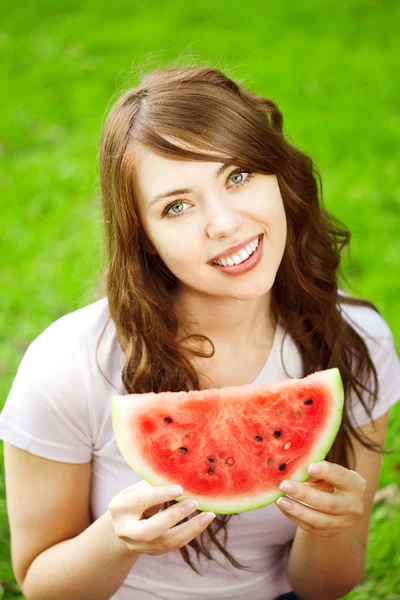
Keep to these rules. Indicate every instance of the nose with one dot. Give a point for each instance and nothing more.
(222, 222)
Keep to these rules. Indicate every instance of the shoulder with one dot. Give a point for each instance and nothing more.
(375, 332)
(378, 337)
(73, 333)
(369, 323)
(48, 411)
(77, 326)
(61, 352)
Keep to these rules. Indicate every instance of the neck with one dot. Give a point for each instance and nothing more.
(227, 320)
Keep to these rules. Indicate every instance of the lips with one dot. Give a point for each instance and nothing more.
(234, 249)
(245, 266)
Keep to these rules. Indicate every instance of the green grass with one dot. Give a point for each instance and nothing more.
(332, 67)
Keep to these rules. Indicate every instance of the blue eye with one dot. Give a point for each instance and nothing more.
(239, 172)
(169, 207)
(177, 204)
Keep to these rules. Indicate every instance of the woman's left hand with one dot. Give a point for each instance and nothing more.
(332, 498)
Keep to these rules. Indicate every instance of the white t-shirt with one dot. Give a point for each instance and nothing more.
(59, 408)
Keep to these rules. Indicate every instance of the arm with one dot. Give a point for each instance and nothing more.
(326, 568)
(90, 566)
(331, 566)
(57, 552)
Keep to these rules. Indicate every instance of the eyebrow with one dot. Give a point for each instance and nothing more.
(218, 173)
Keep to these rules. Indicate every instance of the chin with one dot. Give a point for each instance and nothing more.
(260, 286)
(249, 295)
(247, 291)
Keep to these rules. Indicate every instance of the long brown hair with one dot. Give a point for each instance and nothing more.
(207, 110)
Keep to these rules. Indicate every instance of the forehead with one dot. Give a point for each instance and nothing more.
(155, 173)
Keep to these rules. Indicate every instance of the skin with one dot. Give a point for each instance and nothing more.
(332, 512)
(334, 499)
(218, 214)
(335, 504)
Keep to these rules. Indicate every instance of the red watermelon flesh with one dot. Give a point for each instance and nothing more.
(230, 447)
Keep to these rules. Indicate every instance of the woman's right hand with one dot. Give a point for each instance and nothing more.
(138, 523)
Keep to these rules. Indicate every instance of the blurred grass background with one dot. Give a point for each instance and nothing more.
(333, 69)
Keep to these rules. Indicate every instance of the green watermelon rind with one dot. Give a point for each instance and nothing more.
(120, 410)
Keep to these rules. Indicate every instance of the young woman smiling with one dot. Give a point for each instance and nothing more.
(223, 269)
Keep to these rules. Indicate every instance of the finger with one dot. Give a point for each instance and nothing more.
(172, 539)
(309, 528)
(336, 503)
(150, 529)
(313, 519)
(320, 484)
(339, 476)
(179, 536)
(153, 510)
(318, 480)
(142, 497)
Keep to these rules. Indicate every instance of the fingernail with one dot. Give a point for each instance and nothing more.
(189, 507)
(174, 490)
(206, 518)
(288, 487)
(285, 503)
(314, 468)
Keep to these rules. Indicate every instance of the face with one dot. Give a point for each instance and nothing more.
(189, 229)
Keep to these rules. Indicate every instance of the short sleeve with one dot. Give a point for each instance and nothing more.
(382, 349)
(46, 411)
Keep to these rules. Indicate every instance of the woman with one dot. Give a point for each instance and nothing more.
(194, 168)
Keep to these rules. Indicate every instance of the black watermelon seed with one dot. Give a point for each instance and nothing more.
(277, 433)
(258, 438)
(282, 467)
(211, 459)
(168, 420)
(308, 401)
(211, 470)
(183, 449)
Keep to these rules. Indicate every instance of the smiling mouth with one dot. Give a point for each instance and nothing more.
(239, 257)
(244, 266)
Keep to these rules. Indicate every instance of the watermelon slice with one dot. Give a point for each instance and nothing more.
(229, 448)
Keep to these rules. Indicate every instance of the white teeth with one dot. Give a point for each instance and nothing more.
(242, 255)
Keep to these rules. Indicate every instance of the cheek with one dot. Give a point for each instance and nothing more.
(272, 215)
(278, 220)
(179, 250)
(182, 255)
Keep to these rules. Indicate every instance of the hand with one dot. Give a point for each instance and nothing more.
(332, 498)
(145, 528)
